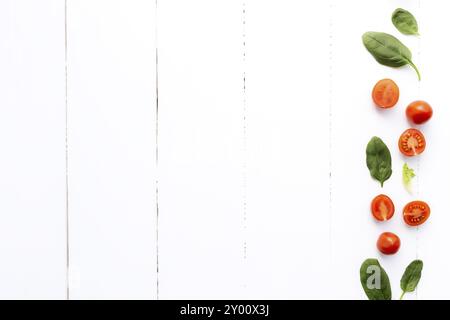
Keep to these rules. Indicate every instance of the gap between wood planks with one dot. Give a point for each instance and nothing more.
(66, 154)
(157, 150)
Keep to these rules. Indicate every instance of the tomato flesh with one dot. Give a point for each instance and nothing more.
(412, 142)
(385, 93)
(382, 207)
(388, 243)
(416, 213)
(419, 112)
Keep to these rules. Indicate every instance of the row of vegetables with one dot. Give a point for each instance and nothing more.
(379, 161)
(389, 51)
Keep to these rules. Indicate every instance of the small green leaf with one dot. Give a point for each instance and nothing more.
(378, 160)
(407, 174)
(388, 50)
(405, 22)
(411, 276)
(375, 280)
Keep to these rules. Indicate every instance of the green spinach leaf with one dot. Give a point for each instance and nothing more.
(411, 277)
(378, 160)
(405, 22)
(375, 280)
(388, 50)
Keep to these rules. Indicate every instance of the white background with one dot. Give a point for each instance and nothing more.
(210, 149)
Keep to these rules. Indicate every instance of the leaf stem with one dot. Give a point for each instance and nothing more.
(415, 68)
(403, 293)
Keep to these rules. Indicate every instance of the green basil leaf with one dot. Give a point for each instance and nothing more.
(378, 160)
(405, 22)
(388, 50)
(411, 276)
(375, 280)
(407, 174)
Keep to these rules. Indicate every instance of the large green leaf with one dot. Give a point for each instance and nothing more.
(375, 280)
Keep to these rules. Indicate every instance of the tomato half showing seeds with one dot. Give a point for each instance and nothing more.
(382, 207)
(412, 142)
(386, 93)
(388, 243)
(415, 213)
(419, 112)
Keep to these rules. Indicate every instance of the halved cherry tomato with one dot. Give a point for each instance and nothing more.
(415, 213)
(412, 142)
(382, 207)
(419, 112)
(385, 94)
(388, 243)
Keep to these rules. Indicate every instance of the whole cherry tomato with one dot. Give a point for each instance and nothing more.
(419, 112)
(415, 213)
(386, 93)
(412, 142)
(388, 243)
(382, 207)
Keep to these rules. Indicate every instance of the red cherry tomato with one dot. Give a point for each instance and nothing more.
(419, 112)
(385, 94)
(388, 243)
(412, 142)
(382, 207)
(415, 213)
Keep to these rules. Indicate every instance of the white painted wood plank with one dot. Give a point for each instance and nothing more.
(32, 138)
(200, 149)
(433, 237)
(355, 120)
(112, 171)
(287, 149)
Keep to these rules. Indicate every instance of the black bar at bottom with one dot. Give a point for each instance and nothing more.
(219, 309)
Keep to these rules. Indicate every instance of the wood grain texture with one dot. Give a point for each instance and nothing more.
(32, 170)
(112, 145)
(288, 182)
(201, 149)
(216, 149)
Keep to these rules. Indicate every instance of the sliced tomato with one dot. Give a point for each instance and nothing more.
(416, 212)
(385, 93)
(388, 243)
(382, 207)
(412, 142)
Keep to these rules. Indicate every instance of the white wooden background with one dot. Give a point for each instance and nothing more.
(210, 149)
